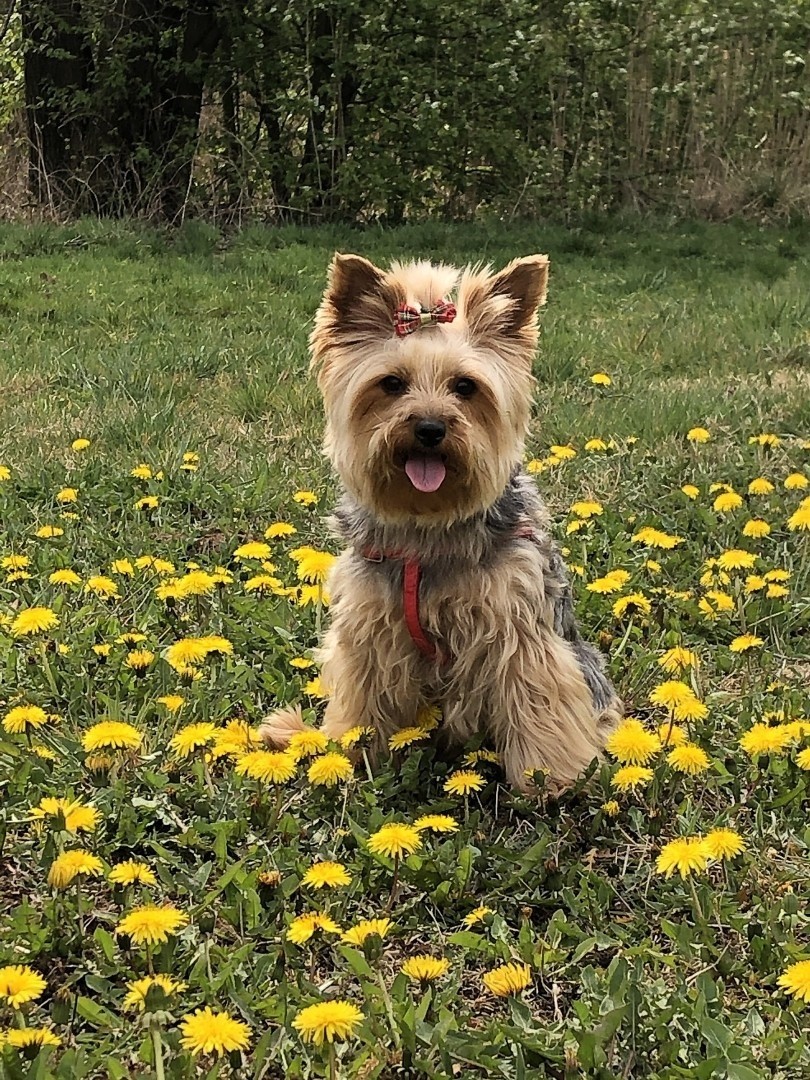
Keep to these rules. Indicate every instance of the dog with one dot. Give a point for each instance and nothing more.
(450, 590)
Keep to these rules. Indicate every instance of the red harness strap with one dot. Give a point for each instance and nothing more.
(411, 577)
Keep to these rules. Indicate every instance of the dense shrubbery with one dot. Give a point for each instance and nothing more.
(358, 111)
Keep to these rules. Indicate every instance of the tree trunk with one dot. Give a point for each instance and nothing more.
(58, 67)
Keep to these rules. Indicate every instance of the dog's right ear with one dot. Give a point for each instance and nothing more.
(357, 307)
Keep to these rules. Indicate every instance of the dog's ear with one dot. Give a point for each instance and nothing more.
(357, 306)
(502, 308)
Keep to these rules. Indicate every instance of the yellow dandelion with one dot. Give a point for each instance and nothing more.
(406, 736)
(688, 758)
(148, 502)
(314, 567)
(756, 528)
(690, 491)
(563, 453)
(151, 925)
(613, 581)
(67, 495)
(796, 481)
(441, 823)
(671, 735)
(64, 577)
(687, 854)
(632, 743)
(79, 444)
(508, 979)
(330, 769)
(326, 874)
(736, 559)
(303, 927)
(209, 1032)
(139, 660)
(635, 603)
(172, 702)
(630, 777)
(72, 864)
(268, 766)
(424, 968)
(464, 782)
(305, 498)
(611, 808)
(596, 445)
(308, 742)
(139, 990)
(279, 528)
(799, 521)
(600, 378)
(102, 586)
(32, 1036)
(803, 759)
(357, 935)
(587, 508)
(35, 620)
(723, 844)
(395, 840)
(656, 538)
(132, 872)
(689, 710)
(764, 739)
(49, 532)
(698, 435)
(766, 439)
(19, 984)
(671, 693)
(727, 501)
(476, 916)
(114, 734)
(328, 1020)
(354, 735)
(255, 549)
(795, 980)
(760, 486)
(745, 642)
(192, 737)
(77, 816)
(23, 717)
(677, 659)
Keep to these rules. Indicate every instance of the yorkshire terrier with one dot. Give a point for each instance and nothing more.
(450, 591)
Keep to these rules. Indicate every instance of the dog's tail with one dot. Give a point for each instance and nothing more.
(280, 726)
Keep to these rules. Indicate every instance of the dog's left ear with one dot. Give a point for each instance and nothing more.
(504, 306)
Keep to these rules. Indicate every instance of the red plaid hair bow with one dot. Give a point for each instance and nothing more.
(407, 318)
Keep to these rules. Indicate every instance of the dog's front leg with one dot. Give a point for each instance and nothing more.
(369, 667)
(542, 714)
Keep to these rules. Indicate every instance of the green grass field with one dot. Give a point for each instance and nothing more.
(186, 355)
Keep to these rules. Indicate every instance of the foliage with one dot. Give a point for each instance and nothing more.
(357, 111)
(156, 354)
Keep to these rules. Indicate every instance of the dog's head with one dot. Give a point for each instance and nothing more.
(427, 425)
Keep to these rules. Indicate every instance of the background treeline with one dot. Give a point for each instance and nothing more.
(382, 110)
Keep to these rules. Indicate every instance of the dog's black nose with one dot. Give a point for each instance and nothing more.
(430, 432)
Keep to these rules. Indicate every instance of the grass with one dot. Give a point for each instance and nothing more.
(154, 347)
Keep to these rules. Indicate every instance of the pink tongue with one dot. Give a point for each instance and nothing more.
(425, 473)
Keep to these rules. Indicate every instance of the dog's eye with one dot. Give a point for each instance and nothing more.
(392, 384)
(464, 387)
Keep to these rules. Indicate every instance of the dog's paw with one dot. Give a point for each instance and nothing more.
(280, 726)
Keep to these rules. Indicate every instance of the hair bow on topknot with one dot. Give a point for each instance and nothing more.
(407, 318)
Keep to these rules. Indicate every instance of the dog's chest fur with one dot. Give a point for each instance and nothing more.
(480, 579)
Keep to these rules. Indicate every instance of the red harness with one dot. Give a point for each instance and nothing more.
(411, 577)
